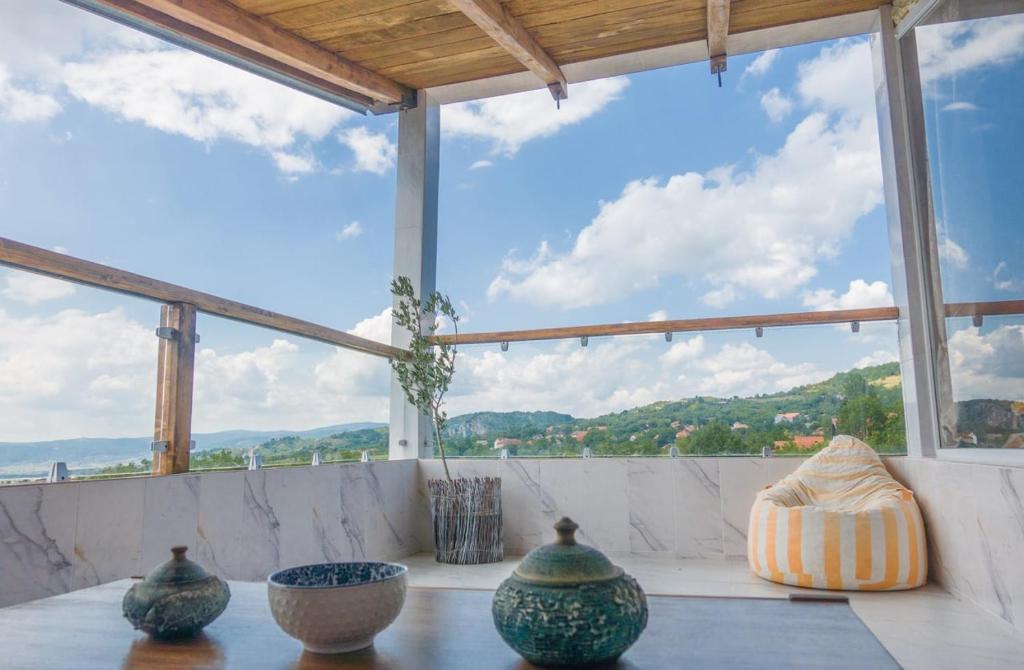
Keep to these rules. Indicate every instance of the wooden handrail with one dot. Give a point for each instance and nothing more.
(677, 326)
(994, 308)
(61, 266)
(990, 308)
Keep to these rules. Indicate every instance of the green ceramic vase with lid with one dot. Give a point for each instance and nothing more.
(178, 598)
(566, 604)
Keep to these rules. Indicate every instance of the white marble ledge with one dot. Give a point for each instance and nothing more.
(925, 628)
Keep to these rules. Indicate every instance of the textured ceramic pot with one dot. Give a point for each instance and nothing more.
(176, 599)
(566, 604)
(334, 608)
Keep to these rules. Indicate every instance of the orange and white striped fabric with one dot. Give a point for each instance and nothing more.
(840, 521)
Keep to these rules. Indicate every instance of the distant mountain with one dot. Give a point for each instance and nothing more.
(508, 424)
(990, 423)
(33, 458)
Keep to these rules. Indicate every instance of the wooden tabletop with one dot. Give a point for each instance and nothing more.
(438, 628)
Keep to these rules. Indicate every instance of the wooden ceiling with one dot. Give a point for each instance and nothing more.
(425, 43)
(418, 44)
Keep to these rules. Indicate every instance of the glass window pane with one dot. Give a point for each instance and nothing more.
(972, 82)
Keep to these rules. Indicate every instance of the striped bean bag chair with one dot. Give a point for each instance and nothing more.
(840, 521)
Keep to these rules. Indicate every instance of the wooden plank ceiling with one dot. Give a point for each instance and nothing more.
(427, 43)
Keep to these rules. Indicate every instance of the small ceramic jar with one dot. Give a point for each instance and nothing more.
(176, 599)
(566, 604)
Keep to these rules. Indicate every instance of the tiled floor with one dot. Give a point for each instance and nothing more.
(924, 628)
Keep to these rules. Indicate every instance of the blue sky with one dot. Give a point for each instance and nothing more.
(657, 195)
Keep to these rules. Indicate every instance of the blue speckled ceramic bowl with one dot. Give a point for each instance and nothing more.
(334, 608)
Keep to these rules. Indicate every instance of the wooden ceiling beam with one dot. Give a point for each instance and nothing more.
(227, 22)
(718, 33)
(507, 31)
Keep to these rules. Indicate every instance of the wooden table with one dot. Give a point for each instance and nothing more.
(438, 628)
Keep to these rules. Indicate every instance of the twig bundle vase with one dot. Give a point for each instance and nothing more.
(466, 514)
(567, 605)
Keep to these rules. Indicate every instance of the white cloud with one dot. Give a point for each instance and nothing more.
(658, 315)
(989, 365)
(876, 358)
(762, 63)
(840, 80)
(960, 106)
(860, 295)
(59, 385)
(63, 50)
(349, 373)
(744, 370)
(37, 37)
(508, 122)
(719, 298)
(374, 152)
(615, 374)
(950, 49)
(1003, 282)
(352, 230)
(481, 164)
(953, 253)
(776, 105)
(762, 229)
(32, 288)
(22, 104)
(227, 382)
(188, 94)
(293, 164)
(681, 352)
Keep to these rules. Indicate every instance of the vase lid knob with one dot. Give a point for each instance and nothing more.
(566, 529)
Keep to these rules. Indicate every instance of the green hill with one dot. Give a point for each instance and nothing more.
(507, 424)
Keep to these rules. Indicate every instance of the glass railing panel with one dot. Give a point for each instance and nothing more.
(77, 377)
(702, 394)
(286, 399)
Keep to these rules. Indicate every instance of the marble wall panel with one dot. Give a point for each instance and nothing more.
(108, 531)
(653, 495)
(974, 518)
(353, 497)
(37, 540)
(591, 491)
(740, 479)
(393, 496)
(698, 507)
(528, 511)
(219, 526)
(260, 530)
(238, 524)
(681, 507)
(170, 517)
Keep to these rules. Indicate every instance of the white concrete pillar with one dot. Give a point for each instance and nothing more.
(912, 246)
(419, 138)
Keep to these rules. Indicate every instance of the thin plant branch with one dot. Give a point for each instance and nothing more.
(426, 371)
